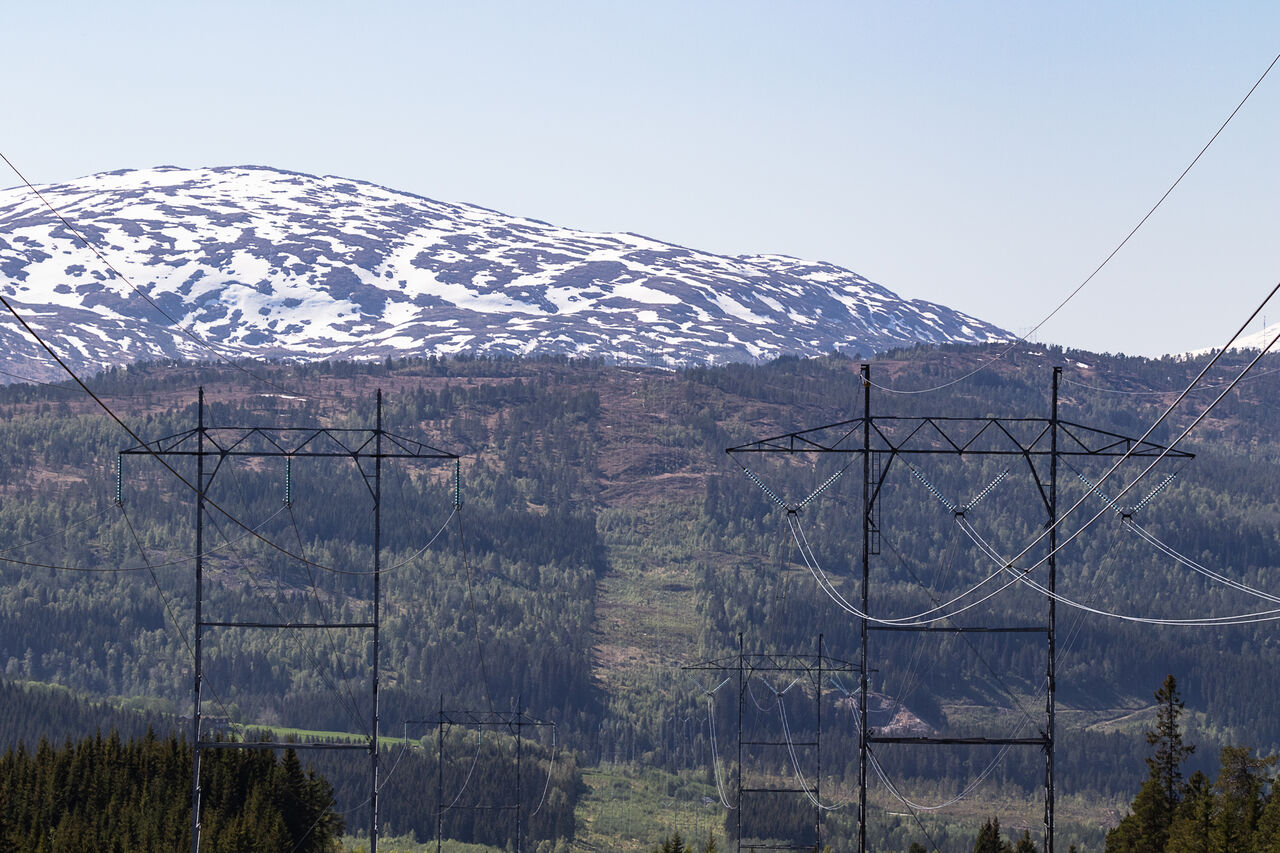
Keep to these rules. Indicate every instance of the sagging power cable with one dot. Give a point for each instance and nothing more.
(192, 336)
(147, 447)
(1143, 221)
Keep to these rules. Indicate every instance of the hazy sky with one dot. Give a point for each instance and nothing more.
(983, 155)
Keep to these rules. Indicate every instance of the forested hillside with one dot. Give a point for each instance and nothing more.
(605, 541)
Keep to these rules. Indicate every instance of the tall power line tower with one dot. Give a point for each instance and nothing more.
(812, 670)
(1039, 442)
(212, 448)
(515, 723)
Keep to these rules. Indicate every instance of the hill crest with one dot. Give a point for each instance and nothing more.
(264, 263)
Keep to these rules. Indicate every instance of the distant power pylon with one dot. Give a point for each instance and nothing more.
(514, 722)
(367, 448)
(745, 666)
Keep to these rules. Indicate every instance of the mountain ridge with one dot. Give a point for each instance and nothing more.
(266, 263)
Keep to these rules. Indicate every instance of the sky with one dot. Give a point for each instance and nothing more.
(984, 155)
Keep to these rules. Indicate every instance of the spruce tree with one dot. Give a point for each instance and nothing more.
(989, 840)
(1240, 784)
(1192, 827)
(1146, 828)
(1166, 764)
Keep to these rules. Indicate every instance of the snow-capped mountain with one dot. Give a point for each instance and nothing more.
(1248, 341)
(262, 263)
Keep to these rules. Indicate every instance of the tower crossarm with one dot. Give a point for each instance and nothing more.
(979, 436)
(290, 442)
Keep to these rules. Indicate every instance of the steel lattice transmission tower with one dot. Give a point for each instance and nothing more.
(1041, 443)
(813, 670)
(212, 448)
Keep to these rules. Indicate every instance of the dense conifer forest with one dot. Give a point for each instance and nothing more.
(103, 794)
(605, 540)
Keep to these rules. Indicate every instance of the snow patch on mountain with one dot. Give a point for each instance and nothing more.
(263, 263)
(1253, 341)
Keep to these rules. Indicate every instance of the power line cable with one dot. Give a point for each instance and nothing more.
(964, 636)
(127, 569)
(795, 759)
(62, 532)
(1053, 525)
(551, 768)
(715, 752)
(475, 616)
(1065, 378)
(308, 650)
(475, 760)
(925, 617)
(1217, 577)
(1023, 339)
(1135, 445)
(124, 278)
(169, 608)
(147, 447)
(57, 386)
(1021, 575)
(324, 616)
(1213, 621)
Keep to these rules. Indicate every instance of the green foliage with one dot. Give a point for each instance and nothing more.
(675, 844)
(1146, 828)
(989, 839)
(105, 794)
(1166, 764)
(29, 712)
(1239, 812)
(608, 540)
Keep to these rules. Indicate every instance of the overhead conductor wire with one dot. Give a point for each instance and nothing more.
(471, 597)
(1127, 522)
(124, 278)
(123, 569)
(143, 444)
(1258, 374)
(1009, 565)
(1022, 577)
(1135, 445)
(167, 606)
(324, 620)
(1021, 574)
(308, 649)
(1143, 221)
(715, 753)
(828, 586)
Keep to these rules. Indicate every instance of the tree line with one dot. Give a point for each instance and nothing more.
(106, 794)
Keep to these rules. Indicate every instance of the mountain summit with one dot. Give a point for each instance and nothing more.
(262, 263)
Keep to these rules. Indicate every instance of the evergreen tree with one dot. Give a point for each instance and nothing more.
(1267, 837)
(1166, 764)
(1192, 827)
(1240, 784)
(672, 844)
(1146, 828)
(989, 840)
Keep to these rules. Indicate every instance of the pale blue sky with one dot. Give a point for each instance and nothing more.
(983, 155)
